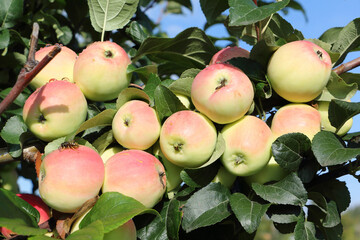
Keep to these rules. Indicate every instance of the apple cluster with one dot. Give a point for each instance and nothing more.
(149, 154)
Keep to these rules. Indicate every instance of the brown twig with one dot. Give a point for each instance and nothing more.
(30, 69)
(257, 26)
(29, 155)
(345, 67)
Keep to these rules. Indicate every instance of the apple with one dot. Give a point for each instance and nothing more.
(247, 146)
(101, 71)
(109, 152)
(173, 179)
(136, 125)
(224, 177)
(55, 110)
(137, 174)
(296, 117)
(184, 100)
(222, 92)
(228, 53)
(298, 71)
(271, 172)
(38, 204)
(69, 176)
(187, 139)
(323, 108)
(60, 67)
(127, 231)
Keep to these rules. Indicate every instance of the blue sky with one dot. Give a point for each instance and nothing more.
(322, 15)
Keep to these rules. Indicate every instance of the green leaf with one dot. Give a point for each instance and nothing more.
(10, 12)
(131, 93)
(349, 39)
(182, 86)
(53, 145)
(143, 72)
(350, 78)
(331, 216)
(331, 35)
(19, 101)
(114, 209)
(102, 119)
(12, 130)
(4, 38)
(283, 29)
(150, 87)
(94, 231)
(213, 8)
(245, 12)
(329, 151)
(218, 151)
(189, 49)
(206, 207)
(290, 149)
(251, 68)
(304, 230)
(327, 47)
(338, 88)
(289, 190)
(341, 111)
(18, 215)
(199, 177)
(284, 214)
(136, 32)
(108, 15)
(337, 191)
(249, 213)
(102, 142)
(166, 102)
(173, 219)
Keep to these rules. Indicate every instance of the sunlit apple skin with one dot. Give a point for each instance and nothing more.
(222, 92)
(109, 152)
(323, 108)
(271, 172)
(38, 204)
(55, 110)
(136, 125)
(247, 146)
(298, 71)
(173, 179)
(224, 177)
(187, 139)
(101, 71)
(137, 174)
(127, 231)
(61, 67)
(296, 117)
(228, 53)
(69, 177)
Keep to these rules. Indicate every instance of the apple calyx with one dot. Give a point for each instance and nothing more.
(109, 54)
(42, 119)
(239, 158)
(178, 147)
(223, 82)
(320, 54)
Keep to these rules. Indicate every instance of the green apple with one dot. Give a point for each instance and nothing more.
(247, 146)
(271, 172)
(69, 177)
(228, 53)
(296, 117)
(55, 110)
(136, 125)
(137, 174)
(61, 67)
(298, 71)
(222, 92)
(187, 139)
(323, 108)
(224, 177)
(101, 71)
(109, 152)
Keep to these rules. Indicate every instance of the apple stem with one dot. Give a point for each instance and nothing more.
(30, 69)
(345, 67)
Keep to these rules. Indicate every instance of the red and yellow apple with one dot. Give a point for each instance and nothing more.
(100, 71)
(222, 92)
(298, 71)
(323, 108)
(60, 67)
(136, 125)
(69, 177)
(38, 204)
(187, 139)
(55, 110)
(247, 146)
(137, 174)
(296, 117)
(228, 53)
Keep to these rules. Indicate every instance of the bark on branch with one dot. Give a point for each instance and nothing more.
(345, 67)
